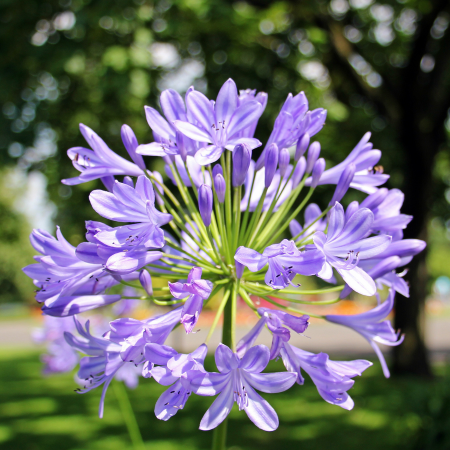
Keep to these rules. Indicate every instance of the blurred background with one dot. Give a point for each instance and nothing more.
(377, 65)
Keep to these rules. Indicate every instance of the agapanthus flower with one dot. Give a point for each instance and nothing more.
(221, 123)
(101, 161)
(196, 290)
(137, 205)
(285, 261)
(345, 244)
(175, 370)
(67, 285)
(60, 356)
(293, 122)
(168, 140)
(236, 382)
(369, 325)
(198, 232)
(367, 175)
(332, 378)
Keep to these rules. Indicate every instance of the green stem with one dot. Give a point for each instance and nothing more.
(128, 415)
(220, 433)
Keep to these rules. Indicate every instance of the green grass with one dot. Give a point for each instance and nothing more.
(43, 413)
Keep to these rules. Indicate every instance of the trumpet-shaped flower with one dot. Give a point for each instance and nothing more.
(197, 290)
(285, 261)
(126, 204)
(332, 378)
(345, 244)
(174, 369)
(367, 176)
(219, 123)
(101, 161)
(236, 382)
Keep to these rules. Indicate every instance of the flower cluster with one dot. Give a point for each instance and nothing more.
(228, 227)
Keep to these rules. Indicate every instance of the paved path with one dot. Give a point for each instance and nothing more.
(320, 337)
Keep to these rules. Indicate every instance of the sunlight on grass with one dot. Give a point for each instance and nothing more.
(43, 413)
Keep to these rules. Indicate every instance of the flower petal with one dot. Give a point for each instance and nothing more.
(260, 412)
(271, 383)
(359, 281)
(219, 409)
(256, 359)
(252, 259)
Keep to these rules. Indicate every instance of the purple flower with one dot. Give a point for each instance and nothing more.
(274, 319)
(270, 164)
(60, 356)
(124, 261)
(369, 326)
(102, 363)
(236, 382)
(332, 378)
(242, 156)
(168, 140)
(283, 161)
(386, 211)
(345, 244)
(174, 369)
(67, 285)
(301, 146)
(319, 167)
(101, 161)
(285, 261)
(364, 158)
(219, 123)
(220, 187)
(126, 204)
(313, 155)
(205, 203)
(197, 290)
(343, 184)
(312, 212)
(118, 348)
(292, 123)
(249, 95)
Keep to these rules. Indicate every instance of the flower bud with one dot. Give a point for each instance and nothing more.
(283, 161)
(217, 169)
(298, 172)
(239, 269)
(220, 187)
(302, 145)
(205, 203)
(146, 281)
(317, 172)
(313, 155)
(271, 162)
(242, 156)
(344, 183)
(128, 181)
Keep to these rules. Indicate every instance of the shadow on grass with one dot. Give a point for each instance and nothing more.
(40, 413)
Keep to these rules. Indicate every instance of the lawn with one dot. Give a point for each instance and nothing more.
(40, 413)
